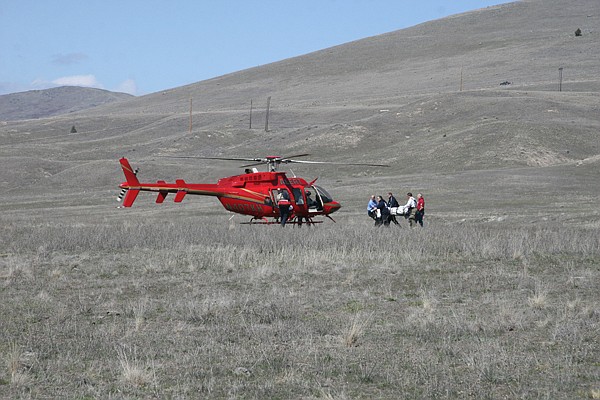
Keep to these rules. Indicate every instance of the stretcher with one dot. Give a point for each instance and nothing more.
(402, 210)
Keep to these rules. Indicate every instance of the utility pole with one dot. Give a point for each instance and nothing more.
(560, 70)
(250, 113)
(190, 115)
(267, 118)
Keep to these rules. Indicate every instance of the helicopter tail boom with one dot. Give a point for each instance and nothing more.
(132, 187)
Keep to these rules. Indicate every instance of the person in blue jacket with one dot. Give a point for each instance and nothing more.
(372, 207)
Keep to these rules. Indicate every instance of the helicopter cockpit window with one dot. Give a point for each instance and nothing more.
(325, 196)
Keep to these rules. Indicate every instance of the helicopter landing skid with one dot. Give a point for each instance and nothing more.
(264, 221)
(307, 221)
(258, 220)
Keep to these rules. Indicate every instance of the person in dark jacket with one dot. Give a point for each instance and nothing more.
(384, 212)
(392, 202)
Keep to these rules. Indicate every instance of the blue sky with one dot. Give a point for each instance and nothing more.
(144, 46)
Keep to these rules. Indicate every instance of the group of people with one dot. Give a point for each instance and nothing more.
(385, 212)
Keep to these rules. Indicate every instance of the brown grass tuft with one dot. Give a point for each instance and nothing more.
(356, 329)
(133, 372)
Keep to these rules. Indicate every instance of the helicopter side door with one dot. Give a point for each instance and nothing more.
(274, 200)
(271, 202)
(313, 200)
(322, 197)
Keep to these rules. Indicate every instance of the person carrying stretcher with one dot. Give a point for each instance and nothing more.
(411, 210)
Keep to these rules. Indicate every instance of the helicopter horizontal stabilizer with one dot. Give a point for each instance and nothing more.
(162, 195)
(182, 190)
(179, 196)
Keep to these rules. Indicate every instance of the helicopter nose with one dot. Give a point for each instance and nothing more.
(331, 207)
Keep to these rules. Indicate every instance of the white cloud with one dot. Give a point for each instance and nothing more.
(78, 80)
(128, 86)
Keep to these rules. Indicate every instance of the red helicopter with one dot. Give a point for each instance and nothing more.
(253, 193)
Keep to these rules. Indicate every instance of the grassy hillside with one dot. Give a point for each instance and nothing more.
(395, 98)
(56, 101)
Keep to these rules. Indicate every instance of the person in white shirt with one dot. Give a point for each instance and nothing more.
(411, 210)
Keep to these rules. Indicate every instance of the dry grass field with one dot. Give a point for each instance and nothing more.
(496, 298)
(130, 309)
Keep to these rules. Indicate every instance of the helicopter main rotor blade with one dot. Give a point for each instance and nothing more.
(270, 160)
(297, 155)
(333, 163)
(216, 158)
(263, 160)
(274, 160)
(252, 165)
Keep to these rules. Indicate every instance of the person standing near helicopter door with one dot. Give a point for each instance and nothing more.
(283, 202)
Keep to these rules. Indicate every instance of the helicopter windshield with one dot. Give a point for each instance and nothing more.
(325, 196)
